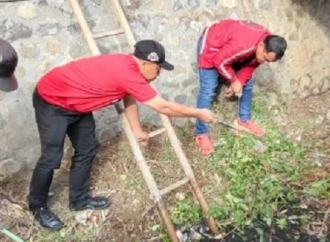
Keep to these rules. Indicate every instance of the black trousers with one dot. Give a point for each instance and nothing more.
(54, 123)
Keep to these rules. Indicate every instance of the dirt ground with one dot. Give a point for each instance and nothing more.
(116, 175)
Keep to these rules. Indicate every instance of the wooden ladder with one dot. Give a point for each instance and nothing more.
(156, 194)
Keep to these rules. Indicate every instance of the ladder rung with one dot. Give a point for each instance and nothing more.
(173, 186)
(157, 132)
(108, 33)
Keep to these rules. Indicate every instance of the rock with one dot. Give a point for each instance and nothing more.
(73, 28)
(107, 134)
(195, 91)
(2, 96)
(15, 141)
(322, 134)
(29, 51)
(328, 115)
(49, 29)
(264, 5)
(104, 49)
(2, 124)
(9, 166)
(2, 154)
(298, 138)
(11, 30)
(305, 81)
(180, 196)
(272, 100)
(188, 81)
(211, 3)
(259, 147)
(228, 3)
(196, 26)
(42, 3)
(20, 72)
(143, 19)
(293, 36)
(193, 4)
(53, 47)
(27, 11)
(83, 216)
(97, 2)
(62, 6)
(44, 66)
(174, 40)
(178, 6)
(76, 50)
(181, 98)
(319, 119)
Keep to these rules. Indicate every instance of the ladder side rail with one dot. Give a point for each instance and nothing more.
(171, 133)
(127, 129)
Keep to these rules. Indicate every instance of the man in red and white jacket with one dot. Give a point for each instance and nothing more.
(232, 50)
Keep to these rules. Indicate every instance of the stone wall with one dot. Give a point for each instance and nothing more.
(45, 34)
(178, 23)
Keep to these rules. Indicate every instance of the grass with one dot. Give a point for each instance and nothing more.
(254, 186)
(64, 235)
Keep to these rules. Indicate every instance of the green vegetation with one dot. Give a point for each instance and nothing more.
(253, 185)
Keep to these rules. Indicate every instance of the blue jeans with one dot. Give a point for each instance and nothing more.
(208, 79)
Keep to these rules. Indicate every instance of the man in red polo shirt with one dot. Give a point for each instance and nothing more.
(232, 50)
(64, 100)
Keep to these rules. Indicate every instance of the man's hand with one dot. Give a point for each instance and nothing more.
(237, 87)
(142, 137)
(207, 116)
(229, 92)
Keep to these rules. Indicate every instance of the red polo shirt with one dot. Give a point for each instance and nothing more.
(95, 82)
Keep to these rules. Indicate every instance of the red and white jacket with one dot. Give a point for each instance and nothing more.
(229, 43)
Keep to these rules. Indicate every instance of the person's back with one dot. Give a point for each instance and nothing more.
(91, 83)
(239, 37)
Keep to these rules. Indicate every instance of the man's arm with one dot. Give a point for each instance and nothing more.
(245, 73)
(226, 56)
(132, 113)
(173, 109)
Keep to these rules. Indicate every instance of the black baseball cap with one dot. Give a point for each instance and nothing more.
(8, 63)
(152, 51)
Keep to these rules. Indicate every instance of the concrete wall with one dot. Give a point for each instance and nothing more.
(45, 34)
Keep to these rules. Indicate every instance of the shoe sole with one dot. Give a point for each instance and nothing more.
(239, 128)
(200, 151)
(48, 228)
(90, 208)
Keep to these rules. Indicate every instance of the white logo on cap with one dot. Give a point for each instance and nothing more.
(153, 56)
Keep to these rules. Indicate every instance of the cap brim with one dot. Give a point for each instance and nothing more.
(167, 66)
(8, 84)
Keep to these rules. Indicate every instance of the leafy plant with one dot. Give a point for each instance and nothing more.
(319, 188)
(185, 211)
(255, 185)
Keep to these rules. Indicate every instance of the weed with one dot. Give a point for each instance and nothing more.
(185, 211)
(255, 186)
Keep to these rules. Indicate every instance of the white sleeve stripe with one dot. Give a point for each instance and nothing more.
(205, 37)
(222, 65)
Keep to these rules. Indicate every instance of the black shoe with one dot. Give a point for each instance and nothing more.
(95, 203)
(47, 218)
